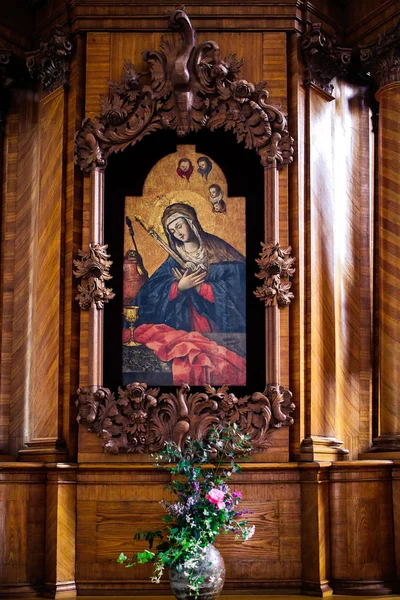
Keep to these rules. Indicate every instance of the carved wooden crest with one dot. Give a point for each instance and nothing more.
(141, 419)
(188, 88)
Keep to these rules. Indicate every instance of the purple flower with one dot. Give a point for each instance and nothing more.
(237, 494)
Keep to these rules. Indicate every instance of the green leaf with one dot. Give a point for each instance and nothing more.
(122, 558)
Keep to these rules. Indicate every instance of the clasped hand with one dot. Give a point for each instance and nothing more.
(189, 280)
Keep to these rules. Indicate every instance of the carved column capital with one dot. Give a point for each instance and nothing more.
(382, 57)
(323, 58)
(50, 63)
(6, 81)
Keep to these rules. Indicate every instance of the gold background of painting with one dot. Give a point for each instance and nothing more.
(163, 187)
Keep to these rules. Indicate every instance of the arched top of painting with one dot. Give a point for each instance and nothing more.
(185, 177)
(186, 170)
(189, 87)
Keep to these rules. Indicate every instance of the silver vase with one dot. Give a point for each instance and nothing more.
(212, 569)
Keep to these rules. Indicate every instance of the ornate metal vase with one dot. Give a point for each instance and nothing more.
(211, 567)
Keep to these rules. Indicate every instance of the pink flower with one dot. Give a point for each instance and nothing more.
(216, 497)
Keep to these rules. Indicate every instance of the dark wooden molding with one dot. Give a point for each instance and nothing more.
(276, 266)
(386, 442)
(324, 60)
(140, 419)
(381, 57)
(321, 448)
(188, 88)
(50, 64)
(93, 268)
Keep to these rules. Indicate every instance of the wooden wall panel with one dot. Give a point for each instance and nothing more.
(112, 504)
(366, 20)
(22, 516)
(362, 552)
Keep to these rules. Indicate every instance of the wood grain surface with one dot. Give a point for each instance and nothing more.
(389, 254)
(318, 525)
(113, 503)
(360, 497)
(22, 519)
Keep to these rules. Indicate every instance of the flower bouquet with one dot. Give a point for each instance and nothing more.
(204, 507)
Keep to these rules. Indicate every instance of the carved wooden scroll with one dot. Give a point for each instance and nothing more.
(141, 419)
(188, 88)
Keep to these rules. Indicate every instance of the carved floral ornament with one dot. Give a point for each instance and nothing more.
(141, 419)
(188, 88)
(276, 266)
(93, 268)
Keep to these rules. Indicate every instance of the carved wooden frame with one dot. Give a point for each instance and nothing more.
(188, 88)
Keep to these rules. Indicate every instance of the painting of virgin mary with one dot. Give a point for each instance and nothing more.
(199, 290)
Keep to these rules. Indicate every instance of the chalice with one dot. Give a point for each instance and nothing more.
(131, 314)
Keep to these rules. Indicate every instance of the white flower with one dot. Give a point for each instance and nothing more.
(250, 532)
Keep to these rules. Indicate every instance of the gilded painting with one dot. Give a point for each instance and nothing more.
(184, 288)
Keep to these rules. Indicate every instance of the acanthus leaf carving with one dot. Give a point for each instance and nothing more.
(93, 268)
(141, 420)
(382, 57)
(323, 58)
(50, 64)
(275, 268)
(188, 87)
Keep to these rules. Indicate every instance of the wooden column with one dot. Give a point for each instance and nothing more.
(389, 267)
(315, 542)
(96, 316)
(320, 442)
(272, 317)
(396, 514)
(60, 531)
